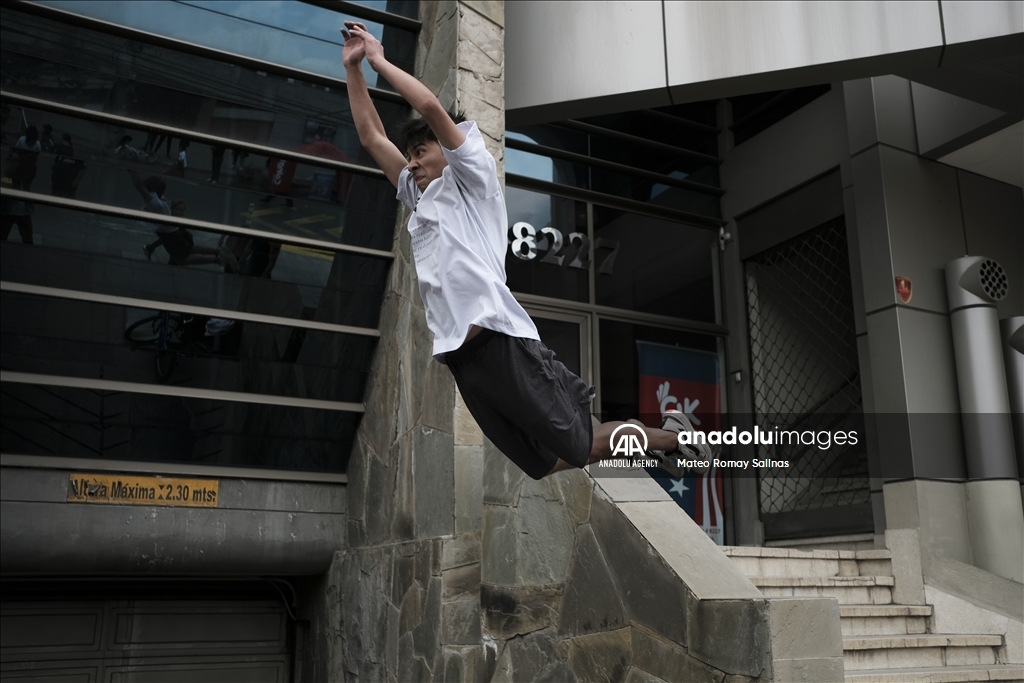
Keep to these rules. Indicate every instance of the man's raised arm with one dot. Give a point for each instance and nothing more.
(415, 93)
(368, 124)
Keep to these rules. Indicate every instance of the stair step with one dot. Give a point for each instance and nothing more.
(838, 581)
(847, 590)
(757, 551)
(879, 620)
(922, 640)
(885, 610)
(939, 674)
(849, 542)
(919, 651)
(813, 563)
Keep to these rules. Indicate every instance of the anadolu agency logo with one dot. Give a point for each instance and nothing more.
(628, 441)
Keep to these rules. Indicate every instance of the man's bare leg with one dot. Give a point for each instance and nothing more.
(601, 449)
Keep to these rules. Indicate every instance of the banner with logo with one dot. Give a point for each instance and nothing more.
(674, 378)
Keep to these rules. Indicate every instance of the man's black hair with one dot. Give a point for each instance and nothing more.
(416, 131)
(155, 184)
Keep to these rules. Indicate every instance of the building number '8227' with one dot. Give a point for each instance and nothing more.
(548, 245)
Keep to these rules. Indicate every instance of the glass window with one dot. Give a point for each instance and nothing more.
(295, 34)
(105, 255)
(620, 377)
(562, 337)
(118, 425)
(548, 248)
(405, 8)
(72, 338)
(217, 184)
(654, 266)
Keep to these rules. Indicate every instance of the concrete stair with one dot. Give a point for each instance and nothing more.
(882, 642)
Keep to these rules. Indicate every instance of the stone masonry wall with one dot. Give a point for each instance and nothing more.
(408, 586)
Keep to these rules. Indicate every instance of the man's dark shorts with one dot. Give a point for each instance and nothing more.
(526, 402)
(178, 245)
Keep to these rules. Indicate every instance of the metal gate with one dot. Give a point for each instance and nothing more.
(155, 640)
(806, 378)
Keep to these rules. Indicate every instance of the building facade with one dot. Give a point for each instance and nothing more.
(228, 455)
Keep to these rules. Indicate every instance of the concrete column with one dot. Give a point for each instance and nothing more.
(1012, 331)
(973, 285)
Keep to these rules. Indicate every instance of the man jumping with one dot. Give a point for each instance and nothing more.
(526, 402)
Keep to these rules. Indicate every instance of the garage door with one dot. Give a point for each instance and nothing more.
(144, 641)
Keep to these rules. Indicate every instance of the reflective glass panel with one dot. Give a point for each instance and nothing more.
(106, 255)
(98, 341)
(295, 34)
(653, 265)
(548, 247)
(309, 200)
(86, 423)
(563, 338)
(620, 379)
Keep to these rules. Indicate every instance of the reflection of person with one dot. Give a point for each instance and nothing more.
(175, 240)
(21, 166)
(67, 171)
(46, 141)
(218, 160)
(526, 402)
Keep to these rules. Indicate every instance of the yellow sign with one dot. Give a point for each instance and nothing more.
(126, 489)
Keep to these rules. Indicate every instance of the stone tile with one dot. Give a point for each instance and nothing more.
(810, 670)
(454, 668)
(510, 611)
(463, 549)
(636, 675)
(668, 661)
(481, 45)
(577, 490)
(805, 628)
(411, 614)
(503, 670)
(356, 485)
(438, 398)
(434, 474)
(731, 635)
(591, 601)
(402, 577)
(494, 11)
(545, 534)
(498, 544)
(460, 622)
(502, 479)
(469, 491)
(379, 488)
(461, 582)
(467, 431)
(426, 635)
(706, 570)
(602, 656)
(532, 653)
(651, 593)
(412, 668)
(556, 672)
(394, 633)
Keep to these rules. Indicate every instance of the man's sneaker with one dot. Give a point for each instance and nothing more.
(665, 462)
(677, 423)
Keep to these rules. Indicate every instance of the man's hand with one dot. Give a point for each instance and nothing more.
(360, 43)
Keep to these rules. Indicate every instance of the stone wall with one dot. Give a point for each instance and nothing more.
(608, 580)
(402, 602)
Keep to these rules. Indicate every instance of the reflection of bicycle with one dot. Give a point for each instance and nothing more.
(124, 150)
(163, 331)
(172, 334)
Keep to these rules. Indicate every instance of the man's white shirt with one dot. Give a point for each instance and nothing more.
(458, 229)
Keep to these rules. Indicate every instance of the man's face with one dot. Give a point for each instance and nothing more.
(426, 162)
